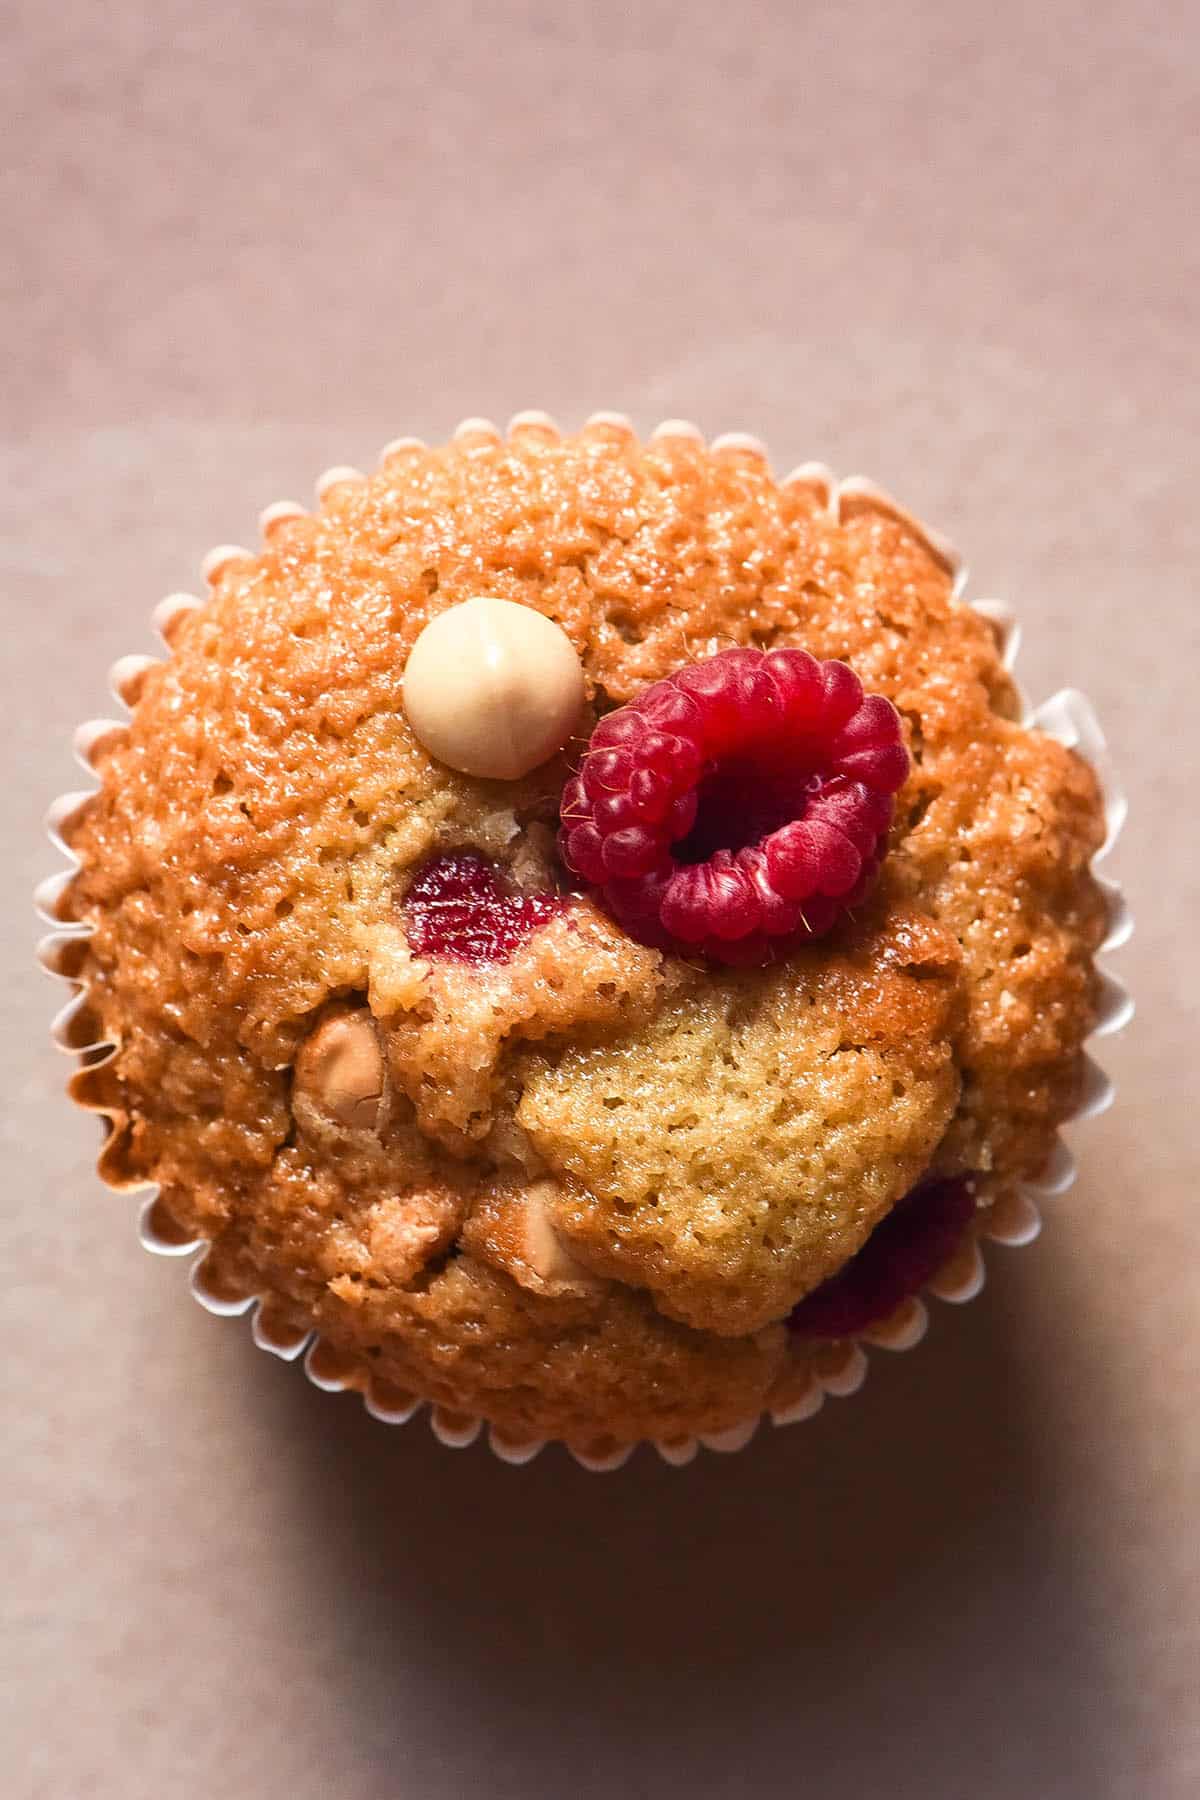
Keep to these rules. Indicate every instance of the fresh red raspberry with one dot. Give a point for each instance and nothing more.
(905, 1249)
(739, 807)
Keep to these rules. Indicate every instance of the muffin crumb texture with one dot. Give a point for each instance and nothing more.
(551, 1175)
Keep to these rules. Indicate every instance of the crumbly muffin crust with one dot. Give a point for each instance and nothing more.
(702, 1146)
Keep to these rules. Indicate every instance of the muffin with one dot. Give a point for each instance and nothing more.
(581, 926)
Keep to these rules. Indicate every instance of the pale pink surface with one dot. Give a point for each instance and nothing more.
(948, 246)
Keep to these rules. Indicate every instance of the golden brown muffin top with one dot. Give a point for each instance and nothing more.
(597, 1175)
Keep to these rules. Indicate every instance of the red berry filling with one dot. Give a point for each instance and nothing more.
(458, 908)
(902, 1253)
(739, 807)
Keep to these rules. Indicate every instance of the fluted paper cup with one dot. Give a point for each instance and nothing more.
(819, 1370)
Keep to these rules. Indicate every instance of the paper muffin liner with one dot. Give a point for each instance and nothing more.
(836, 1369)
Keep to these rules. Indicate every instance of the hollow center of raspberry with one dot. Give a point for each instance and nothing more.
(740, 803)
(460, 908)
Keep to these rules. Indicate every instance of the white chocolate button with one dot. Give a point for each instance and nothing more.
(340, 1068)
(544, 1249)
(493, 688)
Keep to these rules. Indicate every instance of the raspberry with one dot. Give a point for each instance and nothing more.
(898, 1258)
(459, 909)
(739, 807)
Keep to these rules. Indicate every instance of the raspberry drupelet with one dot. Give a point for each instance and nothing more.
(738, 807)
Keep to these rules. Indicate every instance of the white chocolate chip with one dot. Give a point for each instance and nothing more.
(544, 1250)
(340, 1070)
(493, 688)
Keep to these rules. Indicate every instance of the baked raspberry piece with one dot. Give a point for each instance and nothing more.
(737, 808)
(900, 1256)
(458, 908)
